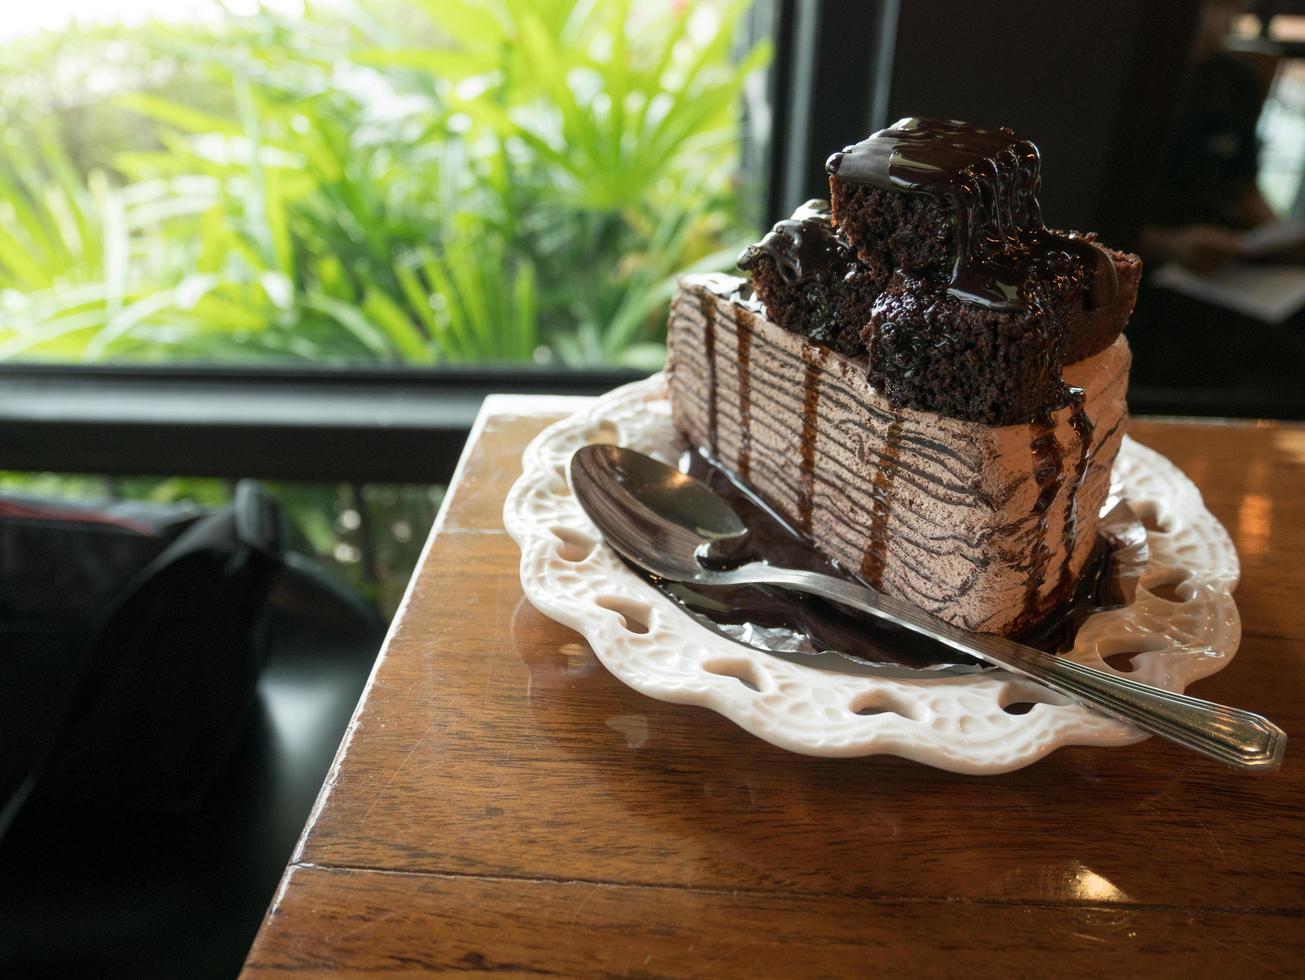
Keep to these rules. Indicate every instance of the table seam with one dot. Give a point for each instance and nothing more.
(788, 894)
(1262, 635)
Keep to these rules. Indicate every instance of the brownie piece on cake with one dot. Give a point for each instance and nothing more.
(810, 280)
(956, 207)
(940, 199)
(930, 351)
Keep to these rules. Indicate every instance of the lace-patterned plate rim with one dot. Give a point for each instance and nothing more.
(1183, 626)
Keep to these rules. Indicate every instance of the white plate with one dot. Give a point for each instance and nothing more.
(955, 722)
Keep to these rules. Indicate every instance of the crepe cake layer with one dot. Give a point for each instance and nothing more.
(985, 526)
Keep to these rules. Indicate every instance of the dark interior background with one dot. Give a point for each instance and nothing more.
(1091, 84)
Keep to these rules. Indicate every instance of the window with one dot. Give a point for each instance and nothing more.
(380, 182)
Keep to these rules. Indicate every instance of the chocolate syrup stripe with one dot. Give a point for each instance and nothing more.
(1083, 428)
(743, 342)
(1049, 472)
(708, 308)
(813, 362)
(1049, 469)
(1111, 433)
(883, 484)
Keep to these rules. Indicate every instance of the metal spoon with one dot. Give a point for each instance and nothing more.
(664, 521)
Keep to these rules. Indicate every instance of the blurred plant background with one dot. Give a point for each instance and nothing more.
(427, 182)
(418, 182)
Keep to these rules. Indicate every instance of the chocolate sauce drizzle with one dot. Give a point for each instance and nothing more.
(743, 336)
(1048, 474)
(805, 245)
(881, 496)
(1084, 429)
(989, 181)
(813, 359)
(708, 309)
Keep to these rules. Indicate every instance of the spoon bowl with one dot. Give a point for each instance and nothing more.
(650, 513)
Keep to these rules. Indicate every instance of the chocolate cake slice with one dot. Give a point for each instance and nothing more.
(954, 449)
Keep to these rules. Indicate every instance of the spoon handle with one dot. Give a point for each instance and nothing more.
(1238, 738)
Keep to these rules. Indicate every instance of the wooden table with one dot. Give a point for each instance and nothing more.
(501, 804)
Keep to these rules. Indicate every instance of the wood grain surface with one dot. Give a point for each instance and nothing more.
(502, 804)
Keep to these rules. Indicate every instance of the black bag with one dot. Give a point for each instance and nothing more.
(130, 645)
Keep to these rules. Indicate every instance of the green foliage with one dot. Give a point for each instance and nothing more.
(455, 182)
(65, 80)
